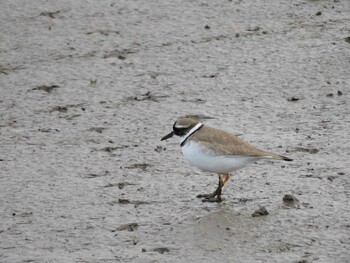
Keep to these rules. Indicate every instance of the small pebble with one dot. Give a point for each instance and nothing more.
(290, 201)
(262, 211)
(290, 198)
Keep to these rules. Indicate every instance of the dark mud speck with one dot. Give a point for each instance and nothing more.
(161, 250)
(124, 201)
(293, 99)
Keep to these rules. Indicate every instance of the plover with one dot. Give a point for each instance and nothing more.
(215, 150)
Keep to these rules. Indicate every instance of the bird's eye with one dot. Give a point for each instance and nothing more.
(179, 131)
(176, 130)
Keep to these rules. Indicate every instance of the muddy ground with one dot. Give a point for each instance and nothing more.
(88, 88)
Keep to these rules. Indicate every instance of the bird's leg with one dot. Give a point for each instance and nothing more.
(216, 193)
(227, 177)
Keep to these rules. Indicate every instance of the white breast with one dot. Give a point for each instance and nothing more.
(206, 160)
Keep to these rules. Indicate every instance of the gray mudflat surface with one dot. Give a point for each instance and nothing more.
(88, 88)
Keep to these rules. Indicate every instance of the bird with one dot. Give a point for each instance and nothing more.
(215, 150)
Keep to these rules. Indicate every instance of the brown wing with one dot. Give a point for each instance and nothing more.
(224, 143)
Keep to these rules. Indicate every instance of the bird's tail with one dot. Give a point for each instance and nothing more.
(281, 157)
(284, 158)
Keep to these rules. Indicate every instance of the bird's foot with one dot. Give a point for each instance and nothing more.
(212, 198)
(215, 196)
(207, 196)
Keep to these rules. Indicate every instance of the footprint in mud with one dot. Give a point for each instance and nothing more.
(146, 96)
(198, 117)
(46, 88)
(59, 109)
(6, 69)
(119, 185)
(127, 227)
(95, 175)
(121, 54)
(161, 250)
(142, 166)
(197, 101)
(48, 130)
(64, 108)
(97, 129)
(50, 14)
(104, 32)
(307, 150)
(110, 149)
(136, 203)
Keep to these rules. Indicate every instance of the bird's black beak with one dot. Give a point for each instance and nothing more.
(168, 136)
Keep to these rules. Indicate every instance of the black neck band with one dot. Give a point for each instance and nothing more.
(183, 143)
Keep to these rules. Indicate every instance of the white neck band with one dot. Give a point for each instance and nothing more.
(194, 129)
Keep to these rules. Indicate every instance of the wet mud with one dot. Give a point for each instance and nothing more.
(88, 88)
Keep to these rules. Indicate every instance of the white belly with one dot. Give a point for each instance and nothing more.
(206, 159)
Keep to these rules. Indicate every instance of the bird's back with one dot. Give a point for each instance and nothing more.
(225, 143)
